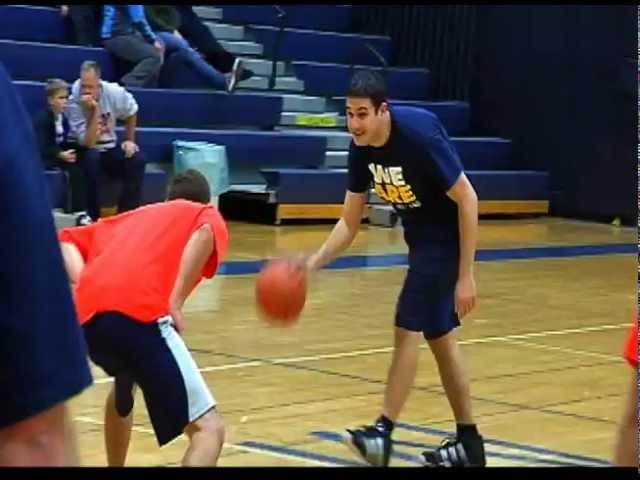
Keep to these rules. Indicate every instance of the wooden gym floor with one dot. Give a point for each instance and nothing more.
(542, 348)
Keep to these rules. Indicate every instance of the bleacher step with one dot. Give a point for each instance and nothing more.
(335, 140)
(294, 102)
(313, 120)
(242, 47)
(336, 159)
(261, 66)
(224, 31)
(282, 83)
(208, 13)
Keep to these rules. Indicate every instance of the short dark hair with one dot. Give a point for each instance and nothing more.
(368, 84)
(189, 185)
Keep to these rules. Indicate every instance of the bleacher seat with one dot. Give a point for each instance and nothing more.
(39, 61)
(328, 186)
(34, 46)
(247, 152)
(34, 24)
(329, 47)
(164, 107)
(454, 115)
(333, 18)
(484, 153)
(331, 80)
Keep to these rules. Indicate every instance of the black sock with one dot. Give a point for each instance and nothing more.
(467, 432)
(386, 424)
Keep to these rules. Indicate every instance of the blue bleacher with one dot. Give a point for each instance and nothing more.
(331, 80)
(299, 186)
(244, 149)
(34, 45)
(162, 107)
(333, 18)
(39, 61)
(483, 153)
(454, 115)
(329, 47)
(35, 24)
(247, 152)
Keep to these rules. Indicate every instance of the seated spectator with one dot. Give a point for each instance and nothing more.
(193, 29)
(165, 21)
(86, 20)
(52, 129)
(93, 110)
(126, 34)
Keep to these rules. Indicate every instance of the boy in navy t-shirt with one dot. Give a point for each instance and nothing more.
(407, 155)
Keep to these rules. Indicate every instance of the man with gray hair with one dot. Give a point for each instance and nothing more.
(93, 110)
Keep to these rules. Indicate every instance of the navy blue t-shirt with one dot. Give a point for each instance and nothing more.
(43, 357)
(413, 171)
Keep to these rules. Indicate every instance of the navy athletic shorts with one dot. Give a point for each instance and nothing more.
(427, 300)
(153, 356)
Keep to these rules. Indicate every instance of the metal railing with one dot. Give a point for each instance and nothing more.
(281, 15)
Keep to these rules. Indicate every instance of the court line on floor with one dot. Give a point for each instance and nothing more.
(247, 267)
(436, 390)
(243, 447)
(515, 338)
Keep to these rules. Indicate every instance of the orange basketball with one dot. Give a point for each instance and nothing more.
(281, 291)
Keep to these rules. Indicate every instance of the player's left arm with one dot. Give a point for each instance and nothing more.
(195, 255)
(463, 193)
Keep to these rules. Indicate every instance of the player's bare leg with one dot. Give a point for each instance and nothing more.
(467, 448)
(453, 376)
(402, 372)
(117, 428)
(206, 437)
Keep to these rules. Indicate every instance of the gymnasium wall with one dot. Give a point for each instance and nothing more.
(561, 82)
(438, 37)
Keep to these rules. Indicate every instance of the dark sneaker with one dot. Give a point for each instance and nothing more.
(371, 444)
(453, 453)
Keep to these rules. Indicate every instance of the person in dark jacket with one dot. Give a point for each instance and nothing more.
(86, 20)
(56, 151)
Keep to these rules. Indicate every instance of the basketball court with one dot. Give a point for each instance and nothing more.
(543, 349)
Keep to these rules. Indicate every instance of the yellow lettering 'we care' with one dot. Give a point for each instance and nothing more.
(390, 185)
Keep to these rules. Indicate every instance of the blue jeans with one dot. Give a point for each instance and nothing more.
(174, 44)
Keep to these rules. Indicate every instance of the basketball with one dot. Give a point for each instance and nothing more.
(281, 291)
